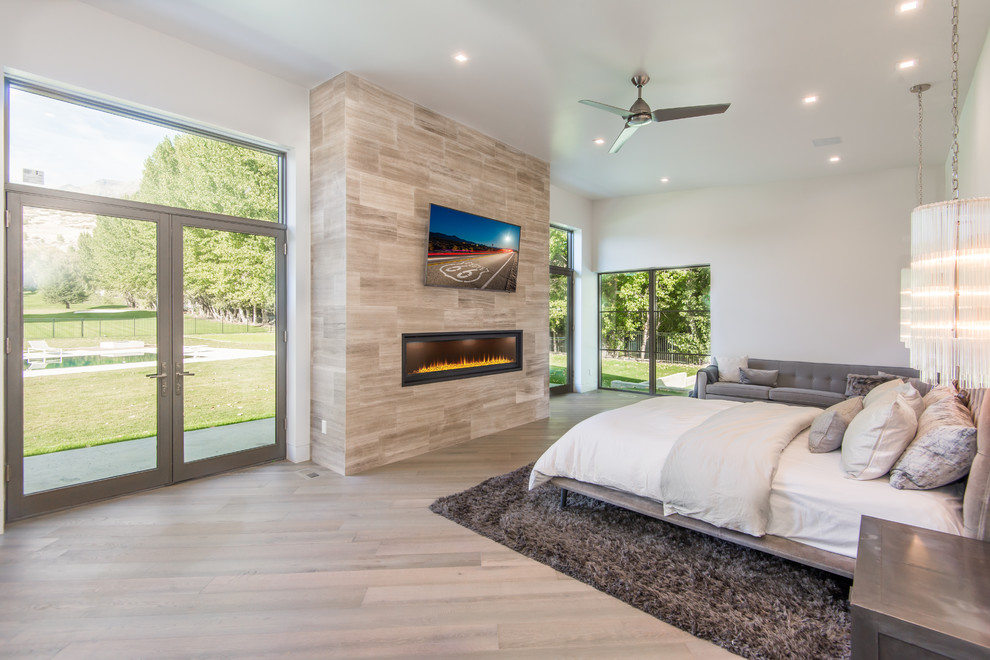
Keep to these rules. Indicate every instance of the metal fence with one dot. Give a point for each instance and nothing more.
(42, 328)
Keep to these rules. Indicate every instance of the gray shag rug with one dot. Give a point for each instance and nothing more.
(746, 601)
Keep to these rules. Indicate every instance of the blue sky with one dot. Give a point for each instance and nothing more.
(473, 227)
(74, 145)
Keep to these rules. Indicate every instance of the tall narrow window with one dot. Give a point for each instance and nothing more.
(654, 329)
(561, 310)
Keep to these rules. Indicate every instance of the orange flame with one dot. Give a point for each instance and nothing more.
(464, 363)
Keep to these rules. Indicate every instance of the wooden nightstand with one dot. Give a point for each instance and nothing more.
(919, 594)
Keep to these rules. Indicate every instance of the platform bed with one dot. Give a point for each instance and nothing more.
(971, 501)
(774, 545)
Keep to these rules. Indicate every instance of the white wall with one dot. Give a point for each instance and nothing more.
(805, 270)
(974, 132)
(80, 46)
(568, 209)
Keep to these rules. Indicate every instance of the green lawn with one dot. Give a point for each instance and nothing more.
(613, 369)
(637, 371)
(82, 410)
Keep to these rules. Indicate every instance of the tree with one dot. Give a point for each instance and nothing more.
(65, 284)
(120, 259)
(226, 275)
(193, 172)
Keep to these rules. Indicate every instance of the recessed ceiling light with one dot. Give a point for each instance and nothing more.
(907, 64)
(834, 159)
(664, 180)
(811, 98)
(908, 5)
(461, 57)
(599, 141)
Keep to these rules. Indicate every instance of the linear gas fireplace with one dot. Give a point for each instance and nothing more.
(437, 356)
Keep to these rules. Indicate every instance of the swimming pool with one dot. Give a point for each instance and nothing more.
(66, 361)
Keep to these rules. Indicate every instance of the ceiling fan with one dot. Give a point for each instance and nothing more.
(640, 114)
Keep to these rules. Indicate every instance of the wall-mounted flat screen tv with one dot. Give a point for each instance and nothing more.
(471, 252)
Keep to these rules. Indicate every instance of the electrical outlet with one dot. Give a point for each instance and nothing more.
(323, 426)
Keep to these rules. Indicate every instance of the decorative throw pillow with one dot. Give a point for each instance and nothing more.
(728, 367)
(829, 427)
(876, 437)
(916, 383)
(939, 457)
(861, 384)
(759, 377)
(887, 392)
(938, 393)
(948, 411)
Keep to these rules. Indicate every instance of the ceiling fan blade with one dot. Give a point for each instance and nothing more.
(626, 133)
(668, 114)
(622, 112)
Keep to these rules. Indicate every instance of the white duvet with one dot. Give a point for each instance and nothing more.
(810, 500)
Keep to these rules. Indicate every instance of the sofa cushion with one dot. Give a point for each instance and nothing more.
(766, 377)
(760, 392)
(805, 397)
(729, 366)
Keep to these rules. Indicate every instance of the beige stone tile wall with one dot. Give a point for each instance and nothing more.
(378, 162)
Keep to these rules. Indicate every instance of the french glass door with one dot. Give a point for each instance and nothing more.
(143, 348)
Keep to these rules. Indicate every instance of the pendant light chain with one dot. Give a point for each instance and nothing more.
(921, 117)
(955, 99)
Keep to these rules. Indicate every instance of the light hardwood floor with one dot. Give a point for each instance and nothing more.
(293, 561)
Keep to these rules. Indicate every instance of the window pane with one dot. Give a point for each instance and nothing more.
(560, 334)
(560, 247)
(62, 145)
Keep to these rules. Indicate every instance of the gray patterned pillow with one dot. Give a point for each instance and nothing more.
(758, 376)
(949, 411)
(829, 427)
(938, 393)
(937, 458)
(861, 384)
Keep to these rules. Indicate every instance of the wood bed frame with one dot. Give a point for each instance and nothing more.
(774, 545)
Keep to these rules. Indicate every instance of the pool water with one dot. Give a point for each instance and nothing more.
(36, 363)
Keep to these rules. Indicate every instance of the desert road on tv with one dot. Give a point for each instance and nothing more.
(495, 271)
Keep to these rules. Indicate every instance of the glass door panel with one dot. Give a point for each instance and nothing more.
(89, 315)
(560, 330)
(227, 377)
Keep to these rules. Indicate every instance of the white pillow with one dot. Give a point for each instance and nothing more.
(884, 394)
(877, 437)
(729, 366)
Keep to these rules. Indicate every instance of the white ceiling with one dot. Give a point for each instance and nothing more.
(532, 60)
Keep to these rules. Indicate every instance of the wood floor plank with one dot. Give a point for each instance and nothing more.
(294, 561)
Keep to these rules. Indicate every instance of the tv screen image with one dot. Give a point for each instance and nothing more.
(468, 251)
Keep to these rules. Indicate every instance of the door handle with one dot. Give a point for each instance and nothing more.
(178, 378)
(162, 376)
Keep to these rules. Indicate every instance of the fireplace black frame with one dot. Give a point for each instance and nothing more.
(469, 372)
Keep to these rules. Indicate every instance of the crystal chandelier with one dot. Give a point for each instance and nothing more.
(950, 274)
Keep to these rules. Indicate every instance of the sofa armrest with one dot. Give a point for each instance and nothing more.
(707, 375)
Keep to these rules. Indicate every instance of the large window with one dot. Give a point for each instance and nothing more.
(561, 310)
(89, 147)
(145, 302)
(654, 329)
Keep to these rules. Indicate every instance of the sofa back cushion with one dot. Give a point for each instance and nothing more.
(821, 375)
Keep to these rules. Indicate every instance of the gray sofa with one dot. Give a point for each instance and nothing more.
(798, 383)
